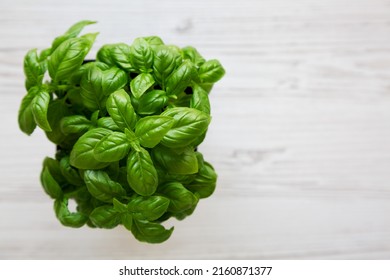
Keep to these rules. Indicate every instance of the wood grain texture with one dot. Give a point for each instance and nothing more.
(300, 134)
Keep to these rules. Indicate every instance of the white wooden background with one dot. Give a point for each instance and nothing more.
(300, 134)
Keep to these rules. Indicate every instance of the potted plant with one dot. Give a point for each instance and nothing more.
(126, 126)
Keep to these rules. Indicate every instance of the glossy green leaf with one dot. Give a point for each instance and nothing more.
(70, 173)
(154, 41)
(189, 124)
(34, 69)
(205, 181)
(53, 166)
(105, 217)
(180, 198)
(101, 186)
(112, 147)
(182, 161)
(152, 102)
(50, 185)
(211, 71)
(39, 108)
(75, 124)
(148, 208)
(141, 174)
(180, 79)
(193, 55)
(67, 218)
(120, 109)
(127, 221)
(140, 84)
(150, 130)
(108, 122)
(141, 55)
(25, 116)
(165, 62)
(116, 55)
(67, 58)
(200, 99)
(56, 111)
(150, 232)
(82, 155)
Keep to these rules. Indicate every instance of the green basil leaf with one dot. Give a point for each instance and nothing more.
(116, 55)
(25, 116)
(165, 62)
(54, 169)
(176, 161)
(205, 181)
(141, 55)
(34, 70)
(101, 186)
(180, 198)
(150, 130)
(39, 108)
(113, 147)
(141, 84)
(76, 77)
(211, 71)
(50, 185)
(71, 174)
(72, 32)
(150, 232)
(67, 218)
(152, 102)
(154, 41)
(108, 122)
(148, 208)
(56, 111)
(67, 58)
(120, 109)
(75, 124)
(44, 54)
(127, 221)
(97, 85)
(82, 155)
(180, 79)
(141, 174)
(189, 124)
(105, 217)
(200, 99)
(193, 55)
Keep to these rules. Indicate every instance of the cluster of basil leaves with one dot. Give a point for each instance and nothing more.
(126, 126)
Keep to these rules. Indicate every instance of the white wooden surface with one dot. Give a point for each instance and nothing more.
(300, 133)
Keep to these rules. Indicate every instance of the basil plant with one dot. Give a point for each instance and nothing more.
(126, 126)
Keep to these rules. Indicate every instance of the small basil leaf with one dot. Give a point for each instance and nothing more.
(72, 32)
(150, 232)
(108, 122)
(180, 79)
(75, 124)
(154, 41)
(193, 55)
(116, 55)
(67, 58)
(33, 69)
(112, 147)
(141, 55)
(39, 108)
(152, 102)
(189, 124)
(101, 186)
(25, 116)
(200, 99)
(141, 174)
(56, 111)
(176, 161)
(55, 170)
(165, 62)
(205, 181)
(150, 130)
(105, 217)
(50, 185)
(141, 84)
(120, 109)
(82, 155)
(127, 221)
(71, 174)
(76, 77)
(180, 198)
(67, 218)
(211, 71)
(148, 208)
